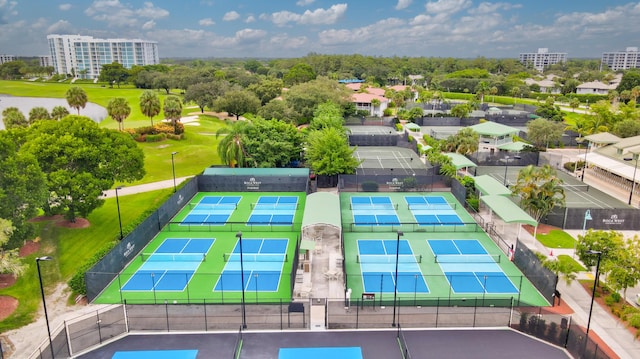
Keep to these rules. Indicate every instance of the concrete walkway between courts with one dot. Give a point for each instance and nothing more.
(603, 323)
(147, 187)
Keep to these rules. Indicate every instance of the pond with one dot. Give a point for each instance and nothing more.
(95, 112)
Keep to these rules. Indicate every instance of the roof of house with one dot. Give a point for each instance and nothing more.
(514, 146)
(354, 86)
(460, 161)
(596, 85)
(399, 87)
(603, 138)
(375, 91)
(367, 97)
(490, 128)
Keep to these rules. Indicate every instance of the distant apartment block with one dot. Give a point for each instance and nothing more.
(83, 56)
(45, 60)
(621, 60)
(6, 58)
(543, 58)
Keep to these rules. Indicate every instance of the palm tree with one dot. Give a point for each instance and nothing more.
(119, 109)
(481, 89)
(493, 91)
(561, 269)
(38, 113)
(231, 147)
(149, 104)
(58, 112)
(540, 191)
(173, 110)
(76, 98)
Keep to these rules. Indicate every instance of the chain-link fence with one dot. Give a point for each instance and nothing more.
(385, 180)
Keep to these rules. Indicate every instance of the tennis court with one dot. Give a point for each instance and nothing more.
(197, 259)
(378, 211)
(578, 194)
(450, 259)
(171, 266)
(377, 260)
(276, 210)
(432, 210)
(263, 260)
(469, 268)
(399, 161)
(212, 210)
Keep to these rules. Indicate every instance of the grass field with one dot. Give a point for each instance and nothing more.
(201, 286)
(557, 239)
(70, 248)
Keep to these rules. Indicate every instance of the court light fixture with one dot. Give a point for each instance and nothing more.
(44, 302)
(173, 169)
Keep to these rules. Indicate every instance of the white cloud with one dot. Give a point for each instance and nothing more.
(39, 23)
(403, 4)
(60, 26)
(206, 22)
(149, 25)
(117, 14)
(250, 19)
(64, 7)
(231, 16)
(491, 8)
(283, 41)
(315, 17)
(305, 2)
(447, 6)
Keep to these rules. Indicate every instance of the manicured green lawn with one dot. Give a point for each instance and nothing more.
(571, 263)
(557, 239)
(70, 248)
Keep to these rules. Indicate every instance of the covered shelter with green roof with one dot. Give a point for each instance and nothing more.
(489, 186)
(321, 217)
(514, 146)
(508, 211)
(460, 161)
(493, 134)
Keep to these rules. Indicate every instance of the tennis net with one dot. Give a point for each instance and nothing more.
(275, 206)
(575, 187)
(432, 207)
(373, 206)
(403, 344)
(210, 207)
(238, 346)
(173, 257)
(388, 258)
(255, 257)
(468, 258)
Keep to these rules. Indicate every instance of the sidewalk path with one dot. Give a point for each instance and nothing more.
(144, 187)
(615, 335)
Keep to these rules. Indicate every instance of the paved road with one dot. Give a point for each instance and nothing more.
(127, 190)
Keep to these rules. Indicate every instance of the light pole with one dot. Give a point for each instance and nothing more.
(633, 179)
(395, 291)
(506, 166)
(44, 304)
(118, 205)
(244, 315)
(593, 293)
(173, 168)
(584, 165)
(587, 217)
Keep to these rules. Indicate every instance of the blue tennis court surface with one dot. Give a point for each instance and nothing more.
(378, 210)
(321, 353)
(214, 210)
(430, 210)
(274, 210)
(170, 266)
(377, 259)
(262, 262)
(469, 268)
(156, 354)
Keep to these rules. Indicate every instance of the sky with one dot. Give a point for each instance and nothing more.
(294, 28)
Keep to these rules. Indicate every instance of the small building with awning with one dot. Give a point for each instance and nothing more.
(488, 186)
(493, 134)
(459, 161)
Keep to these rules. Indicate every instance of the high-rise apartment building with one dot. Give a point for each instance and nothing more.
(543, 58)
(6, 58)
(621, 60)
(83, 56)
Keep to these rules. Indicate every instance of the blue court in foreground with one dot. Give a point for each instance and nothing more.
(156, 354)
(171, 266)
(377, 259)
(321, 353)
(274, 210)
(378, 210)
(262, 263)
(469, 268)
(212, 210)
(430, 210)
